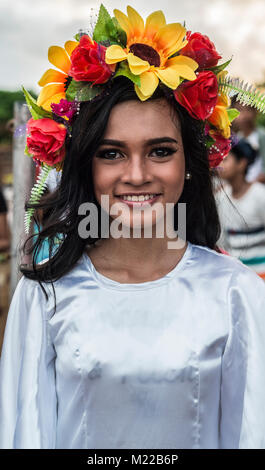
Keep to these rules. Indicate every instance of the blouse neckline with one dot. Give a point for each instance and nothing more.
(112, 284)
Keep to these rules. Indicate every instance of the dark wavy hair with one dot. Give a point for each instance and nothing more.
(76, 185)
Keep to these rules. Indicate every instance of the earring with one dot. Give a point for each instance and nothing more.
(188, 176)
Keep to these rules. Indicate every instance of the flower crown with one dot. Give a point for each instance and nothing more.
(149, 54)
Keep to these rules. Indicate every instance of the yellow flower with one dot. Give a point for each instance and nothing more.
(53, 81)
(219, 118)
(148, 51)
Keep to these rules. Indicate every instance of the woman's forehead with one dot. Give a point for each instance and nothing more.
(142, 120)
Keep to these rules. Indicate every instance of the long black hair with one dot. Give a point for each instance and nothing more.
(76, 185)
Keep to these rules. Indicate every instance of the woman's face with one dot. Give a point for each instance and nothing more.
(231, 167)
(141, 156)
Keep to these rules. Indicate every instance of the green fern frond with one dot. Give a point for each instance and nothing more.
(246, 94)
(35, 195)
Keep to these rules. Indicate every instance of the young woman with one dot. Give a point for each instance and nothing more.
(136, 344)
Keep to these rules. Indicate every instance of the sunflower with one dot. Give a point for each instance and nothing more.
(148, 51)
(54, 82)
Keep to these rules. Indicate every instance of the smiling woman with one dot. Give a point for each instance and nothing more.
(125, 146)
(172, 338)
(141, 160)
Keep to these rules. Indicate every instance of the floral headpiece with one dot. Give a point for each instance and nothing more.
(150, 54)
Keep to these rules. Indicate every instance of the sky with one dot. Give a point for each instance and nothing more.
(29, 27)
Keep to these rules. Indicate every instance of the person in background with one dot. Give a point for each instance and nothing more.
(245, 126)
(4, 231)
(243, 226)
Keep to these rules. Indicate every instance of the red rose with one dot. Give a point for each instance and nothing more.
(45, 140)
(220, 148)
(201, 49)
(199, 96)
(88, 62)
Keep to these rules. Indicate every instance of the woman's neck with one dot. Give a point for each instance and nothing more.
(239, 187)
(136, 259)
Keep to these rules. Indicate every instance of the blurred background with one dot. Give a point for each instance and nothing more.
(29, 27)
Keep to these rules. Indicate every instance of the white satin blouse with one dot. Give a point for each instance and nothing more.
(174, 363)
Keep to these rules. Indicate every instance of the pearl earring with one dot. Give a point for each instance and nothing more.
(188, 176)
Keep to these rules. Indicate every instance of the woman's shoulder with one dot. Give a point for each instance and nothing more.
(259, 190)
(219, 265)
(27, 287)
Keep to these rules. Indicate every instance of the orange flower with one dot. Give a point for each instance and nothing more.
(53, 81)
(219, 118)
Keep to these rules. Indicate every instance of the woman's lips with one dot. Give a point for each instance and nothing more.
(139, 203)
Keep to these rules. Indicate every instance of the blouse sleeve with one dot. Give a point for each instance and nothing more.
(243, 367)
(28, 405)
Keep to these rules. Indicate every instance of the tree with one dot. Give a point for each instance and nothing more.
(7, 99)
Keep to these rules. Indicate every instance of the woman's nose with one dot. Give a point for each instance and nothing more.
(136, 171)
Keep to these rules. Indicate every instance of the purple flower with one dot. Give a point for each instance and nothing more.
(65, 108)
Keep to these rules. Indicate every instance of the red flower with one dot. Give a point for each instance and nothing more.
(45, 140)
(199, 96)
(201, 49)
(88, 62)
(220, 148)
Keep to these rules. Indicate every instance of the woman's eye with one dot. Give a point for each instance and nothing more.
(109, 154)
(162, 152)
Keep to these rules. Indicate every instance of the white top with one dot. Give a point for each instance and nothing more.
(177, 362)
(243, 223)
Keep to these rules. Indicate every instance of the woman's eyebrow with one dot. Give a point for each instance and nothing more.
(121, 143)
(161, 140)
(116, 143)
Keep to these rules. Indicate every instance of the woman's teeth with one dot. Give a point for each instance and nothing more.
(141, 197)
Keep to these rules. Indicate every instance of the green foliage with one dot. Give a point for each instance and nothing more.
(124, 70)
(219, 68)
(121, 35)
(232, 114)
(82, 91)
(7, 100)
(244, 93)
(108, 29)
(36, 194)
(37, 112)
(209, 141)
(26, 151)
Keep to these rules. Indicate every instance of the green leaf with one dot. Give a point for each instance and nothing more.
(244, 93)
(89, 92)
(104, 26)
(26, 151)
(72, 90)
(36, 194)
(121, 35)
(209, 142)
(77, 37)
(219, 68)
(124, 71)
(108, 29)
(232, 114)
(37, 112)
(82, 91)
